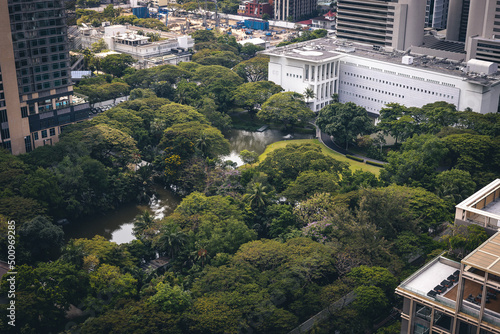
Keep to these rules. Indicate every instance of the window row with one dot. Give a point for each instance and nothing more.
(345, 93)
(320, 72)
(43, 133)
(420, 90)
(45, 85)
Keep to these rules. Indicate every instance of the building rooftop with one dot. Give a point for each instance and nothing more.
(254, 41)
(430, 276)
(486, 257)
(107, 53)
(482, 205)
(432, 42)
(80, 74)
(330, 47)
(131, 37)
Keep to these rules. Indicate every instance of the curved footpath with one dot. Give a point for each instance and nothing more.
(328, 142)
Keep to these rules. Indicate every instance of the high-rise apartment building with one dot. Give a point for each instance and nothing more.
(293, 9)
(394, 24)
(36, 96)
(446, 296)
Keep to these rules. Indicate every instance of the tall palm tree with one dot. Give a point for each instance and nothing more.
(170, 240)
(203, 145)
(142, 222)
(309, 93)
(257, 196)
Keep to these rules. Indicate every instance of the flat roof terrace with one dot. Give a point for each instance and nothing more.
(493, 207)
(431, 276)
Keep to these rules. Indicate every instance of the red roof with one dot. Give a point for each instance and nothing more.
(306, 22)
(330, 14)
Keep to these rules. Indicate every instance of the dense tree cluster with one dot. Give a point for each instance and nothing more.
(260, 248)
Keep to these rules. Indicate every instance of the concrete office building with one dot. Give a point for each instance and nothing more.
(458, 18)
(436, 13)
(372, 78)
(446, 296)
(483, 31)
(294, 9)
(396, 24)
(36, 96)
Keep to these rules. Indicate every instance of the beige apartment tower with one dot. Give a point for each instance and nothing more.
(36, 96)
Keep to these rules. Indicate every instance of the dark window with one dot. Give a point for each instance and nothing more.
(5, 133)
(3, 116)
(35, 135)
(44, 133)
(52, 132)
(27, 144)
(24, 112)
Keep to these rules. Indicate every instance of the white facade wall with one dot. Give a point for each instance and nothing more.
(374, 83)
(144, 51)
(297, 75)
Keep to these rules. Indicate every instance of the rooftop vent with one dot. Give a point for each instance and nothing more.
(407, 60)
(481, 66)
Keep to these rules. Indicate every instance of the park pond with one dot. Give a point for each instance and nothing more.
(117, 225)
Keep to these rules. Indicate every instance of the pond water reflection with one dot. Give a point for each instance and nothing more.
(256, 141)
(117, 225)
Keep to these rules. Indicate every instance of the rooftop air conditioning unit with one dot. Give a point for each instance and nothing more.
(407, 60)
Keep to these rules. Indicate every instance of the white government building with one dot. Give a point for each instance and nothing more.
(372, 78)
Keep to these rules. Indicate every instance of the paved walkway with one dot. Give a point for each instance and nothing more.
(328, 142)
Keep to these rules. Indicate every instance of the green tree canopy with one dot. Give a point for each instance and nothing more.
(116, 64)
(287, 108)
(253, 69)
(214, 57)
(416, 162)
(252, 95)
(344, 122)
(186, 138)
(284, 165)
(218, 82)
(310, 182)
(42, 239)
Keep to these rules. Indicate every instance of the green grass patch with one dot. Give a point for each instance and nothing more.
(353, 165)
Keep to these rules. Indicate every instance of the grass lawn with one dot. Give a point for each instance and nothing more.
(354, 165)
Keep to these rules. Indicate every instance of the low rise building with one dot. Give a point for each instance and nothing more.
(482, 208)
(119, 39)
(447, 296)
(371, 77)
(255, 41)
(326, 21)
(255, 8)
